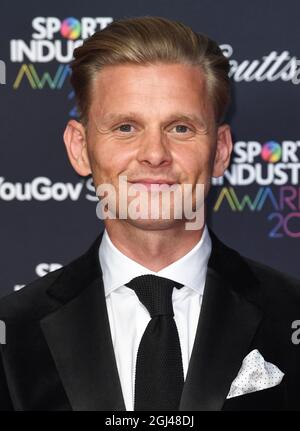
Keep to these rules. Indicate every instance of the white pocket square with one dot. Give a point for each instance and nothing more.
(254, 375)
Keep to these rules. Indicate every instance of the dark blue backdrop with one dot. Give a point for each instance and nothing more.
(48, 213)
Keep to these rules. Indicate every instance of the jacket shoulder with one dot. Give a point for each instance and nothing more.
(240, 270)
(31, 300)
(275, 285)
(47, 293)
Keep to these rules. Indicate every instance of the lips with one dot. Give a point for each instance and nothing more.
(153, 181)
(149, 182)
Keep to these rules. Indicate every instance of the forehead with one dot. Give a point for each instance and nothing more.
(149, 87)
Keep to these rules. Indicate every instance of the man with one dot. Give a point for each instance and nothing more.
(155, 315)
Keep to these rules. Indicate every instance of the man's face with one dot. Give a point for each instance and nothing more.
(152, 122)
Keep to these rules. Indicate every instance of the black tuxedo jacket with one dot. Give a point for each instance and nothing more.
(59, 353)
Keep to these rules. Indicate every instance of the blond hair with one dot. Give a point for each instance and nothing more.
(150, 40)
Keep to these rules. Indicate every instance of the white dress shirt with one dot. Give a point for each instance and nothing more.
(129, 318)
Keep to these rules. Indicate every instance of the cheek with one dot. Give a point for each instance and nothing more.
(108, 163)
(194, 164)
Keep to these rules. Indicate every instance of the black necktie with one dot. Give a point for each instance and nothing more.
(159, 373)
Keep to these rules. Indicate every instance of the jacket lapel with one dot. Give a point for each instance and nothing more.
(229, 318)
(79, 338)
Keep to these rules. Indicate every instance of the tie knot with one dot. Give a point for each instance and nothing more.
(155, 293)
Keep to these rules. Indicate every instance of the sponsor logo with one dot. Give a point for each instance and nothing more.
(271, 67)
(40, 189)
(275, 168)
(269, 163)
(38, 81)
(54, 39)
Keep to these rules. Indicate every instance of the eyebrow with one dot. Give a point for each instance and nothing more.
(177, 116)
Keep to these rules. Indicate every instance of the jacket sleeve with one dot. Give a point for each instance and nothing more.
(5, 400)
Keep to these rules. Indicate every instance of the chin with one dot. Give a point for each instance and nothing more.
(154, 224)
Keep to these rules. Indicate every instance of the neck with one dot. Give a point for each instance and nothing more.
(153, 248)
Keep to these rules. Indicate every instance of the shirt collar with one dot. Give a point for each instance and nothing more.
(189, 270)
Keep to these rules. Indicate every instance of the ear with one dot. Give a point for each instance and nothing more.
(223, 150)
(76, 146)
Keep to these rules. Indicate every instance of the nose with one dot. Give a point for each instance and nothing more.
(153, 149)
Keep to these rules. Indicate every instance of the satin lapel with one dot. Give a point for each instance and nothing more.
(79, 338)
(228, 320)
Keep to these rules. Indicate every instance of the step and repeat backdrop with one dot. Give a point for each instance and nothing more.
(48, 213)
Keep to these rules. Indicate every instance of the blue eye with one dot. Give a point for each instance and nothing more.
(181, 128)
(125, 127)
